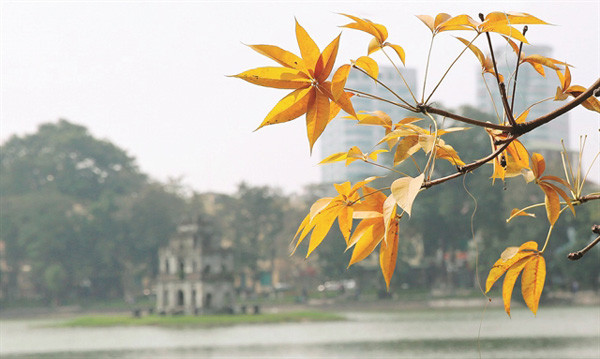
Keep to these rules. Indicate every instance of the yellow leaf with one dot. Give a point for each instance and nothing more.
(399, 51)
(376, 118)
(508, 253)
(374, 45)
(336, 157)
(501, 265)
(276, 77)
(305, 222)
(532, 282)
(345, 222)
(552, 202)
(407, 147)
(282, 57)
(308, 48)
(560, 192)
(428, 21)
(460, 22)
(539, 164)
(389, 216)
(372, 204)
(426, 142)
(388, 253)
(339, 81)
(522, 117)
(377, 30)
(354, 153)
(518, 212)
(290, 107)
(448, 153)
(323, 223)
(368, 234)
(326, 60)
(591, 103)
(510, 278)
(504, 29)
(480, 56)
(405, 190)
(317, 117)
(369, 65)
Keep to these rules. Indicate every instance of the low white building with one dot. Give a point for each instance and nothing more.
(195, 273)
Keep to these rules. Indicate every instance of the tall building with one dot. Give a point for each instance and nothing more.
(531, 88)
(341, 134)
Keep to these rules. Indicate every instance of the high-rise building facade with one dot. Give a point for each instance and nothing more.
(531, 88)
(341, 134)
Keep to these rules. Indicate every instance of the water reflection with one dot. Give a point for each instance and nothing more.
(554, 333)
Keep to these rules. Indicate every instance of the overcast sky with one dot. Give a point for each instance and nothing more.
(150, 76)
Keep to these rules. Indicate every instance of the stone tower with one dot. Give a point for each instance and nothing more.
(195, 272)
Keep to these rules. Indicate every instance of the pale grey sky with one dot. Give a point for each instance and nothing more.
(150, 75)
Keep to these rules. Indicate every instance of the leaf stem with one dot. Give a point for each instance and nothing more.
(501, 87)
(400, 73)
(384, 86)
(373, 97)
(427, 67)
(512, 105)
(385, 167)
(450, 67)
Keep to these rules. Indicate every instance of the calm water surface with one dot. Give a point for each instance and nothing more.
(436, 333)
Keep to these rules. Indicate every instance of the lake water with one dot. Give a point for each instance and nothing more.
(566, 332)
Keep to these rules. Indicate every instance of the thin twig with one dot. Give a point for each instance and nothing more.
(448, 70)
(512, 104)
(501, 87)
(400, 73)
(384, 85)
(427, 67)
(373, 97)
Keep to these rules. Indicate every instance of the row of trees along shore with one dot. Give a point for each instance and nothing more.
(81, 222)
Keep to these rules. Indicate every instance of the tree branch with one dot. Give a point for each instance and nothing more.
(531, 125)
(470, 121)
(469, 167)
(577, 255)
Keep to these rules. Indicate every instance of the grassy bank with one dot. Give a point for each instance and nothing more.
(198, 321)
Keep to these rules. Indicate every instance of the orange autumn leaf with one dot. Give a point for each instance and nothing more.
(503, 264)
(565, 90)
(379, 33)
(526, 259)
(486, 62)
(532, 282)
(325, 211)
(307, 76)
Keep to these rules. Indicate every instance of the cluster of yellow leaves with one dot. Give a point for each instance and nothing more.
(565, 90)
(536, 61)
(307, 76)
(379, 33)
(378, 217)
(551, 190)
(410, 138)
(497, 22)
(552, 193)
(512, 262)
